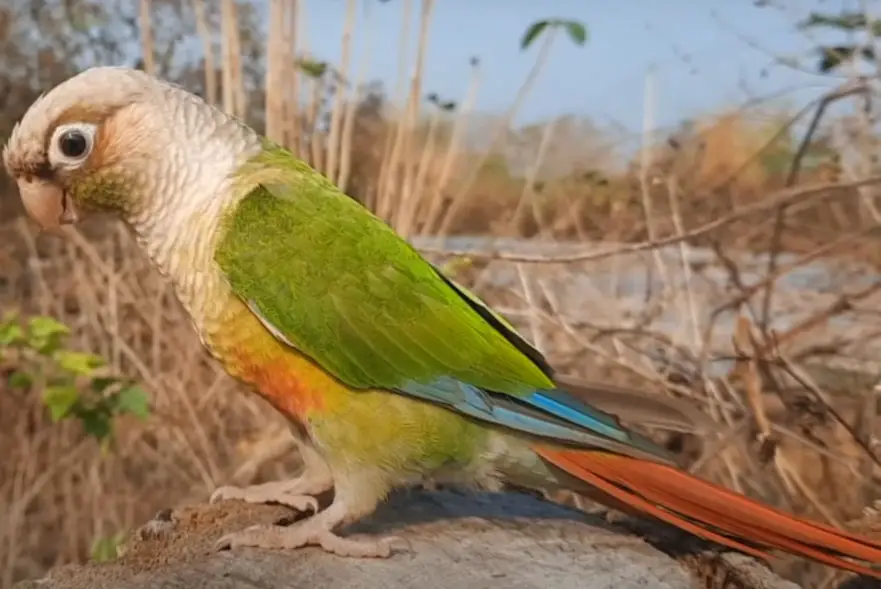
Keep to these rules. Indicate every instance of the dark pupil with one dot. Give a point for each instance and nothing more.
(73, 144)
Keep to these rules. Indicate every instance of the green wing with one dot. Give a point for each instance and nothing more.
(342, 287)
(335, 282)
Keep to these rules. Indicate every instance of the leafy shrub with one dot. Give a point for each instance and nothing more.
(73, 385)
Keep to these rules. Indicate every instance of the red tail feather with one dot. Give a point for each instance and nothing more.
(709, 511)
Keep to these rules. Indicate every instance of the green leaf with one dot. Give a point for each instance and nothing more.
(19, 380)
(846, 21)
(106, 549)
(11, 334)
(843, 21)
(313, 68)
(60, 400)
(46, 326)
(133, 400)
(834, 56)
(577, 31)
(99, 384)
(78, 362)
(532, 33)
(45, 334)
(98, 424)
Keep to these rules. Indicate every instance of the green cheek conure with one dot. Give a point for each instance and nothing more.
(389, 373)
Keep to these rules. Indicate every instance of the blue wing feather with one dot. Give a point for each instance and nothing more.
(553, 414)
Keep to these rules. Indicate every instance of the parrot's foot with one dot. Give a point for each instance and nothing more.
(316, 530)
(282, 492)
(298, 493)
(305, 533)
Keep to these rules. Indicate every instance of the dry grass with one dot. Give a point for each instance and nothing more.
(803, 442)
(61, 493)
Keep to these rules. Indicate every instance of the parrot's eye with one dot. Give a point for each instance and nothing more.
(72, 144)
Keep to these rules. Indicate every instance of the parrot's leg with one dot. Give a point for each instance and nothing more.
(297, 493)
(318, 530)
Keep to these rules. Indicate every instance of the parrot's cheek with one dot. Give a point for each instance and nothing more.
(47, 204)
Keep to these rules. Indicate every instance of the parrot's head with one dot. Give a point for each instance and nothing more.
(118, 140)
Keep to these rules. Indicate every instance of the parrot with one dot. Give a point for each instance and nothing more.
(390, 373)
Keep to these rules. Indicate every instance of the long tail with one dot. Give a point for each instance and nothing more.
(713, 512)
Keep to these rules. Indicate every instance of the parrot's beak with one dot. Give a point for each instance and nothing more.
(47, 204)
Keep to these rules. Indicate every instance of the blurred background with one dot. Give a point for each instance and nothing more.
(679, 197)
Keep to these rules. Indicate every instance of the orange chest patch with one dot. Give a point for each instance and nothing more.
(287, 381)
(285, 378)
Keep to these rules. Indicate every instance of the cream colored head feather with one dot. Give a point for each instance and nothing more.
(117, 139)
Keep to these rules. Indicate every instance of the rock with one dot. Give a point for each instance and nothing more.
(470, 541)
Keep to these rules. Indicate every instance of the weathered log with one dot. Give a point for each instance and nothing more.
(473, 541)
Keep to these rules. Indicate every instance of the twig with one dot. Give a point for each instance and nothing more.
(806, 382)
(749, 373)
(780, 216)
(781, 198)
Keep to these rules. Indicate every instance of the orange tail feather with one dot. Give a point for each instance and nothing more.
(712, 512)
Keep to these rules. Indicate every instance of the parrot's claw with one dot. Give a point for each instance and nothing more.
(306, 533)
(298, 493)
(267, 494)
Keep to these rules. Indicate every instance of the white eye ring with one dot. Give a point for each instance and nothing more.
(72, 144)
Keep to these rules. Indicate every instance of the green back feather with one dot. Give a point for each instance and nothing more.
(341, 286)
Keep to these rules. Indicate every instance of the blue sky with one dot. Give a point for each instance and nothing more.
(706, 54)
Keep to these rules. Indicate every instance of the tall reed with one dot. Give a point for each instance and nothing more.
(421, 181)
